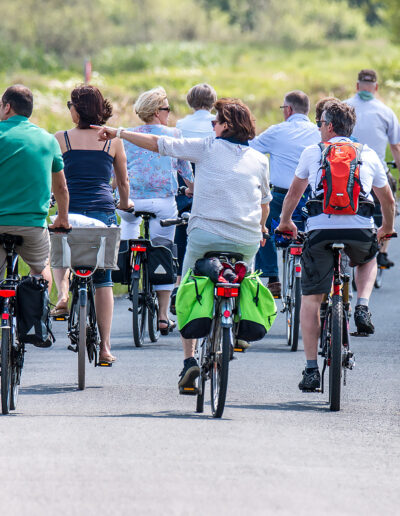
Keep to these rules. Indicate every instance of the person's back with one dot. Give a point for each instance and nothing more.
(28, 155)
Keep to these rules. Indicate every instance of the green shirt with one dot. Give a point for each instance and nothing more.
(28, 156)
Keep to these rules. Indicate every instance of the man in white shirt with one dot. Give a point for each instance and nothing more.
(376, 125)
(355, 231)
(284, 143)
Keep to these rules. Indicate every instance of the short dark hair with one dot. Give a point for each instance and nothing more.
(20, 99)
(201, 96)
(90, 105)
(319, 106)
(342, 116)
(298, 101)
(237, 116)
(367, 75)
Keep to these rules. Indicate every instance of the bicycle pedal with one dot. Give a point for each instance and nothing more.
(189, 391)
(277, 297)
(130, 309)
(60, 318)
(239, 350)
(360, 334)
(73, 348)
(104, 364)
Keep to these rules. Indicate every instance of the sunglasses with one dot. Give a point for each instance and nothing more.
(215, 122)
(165, 109)
(320, 122)
(283, 107)
(69, 104)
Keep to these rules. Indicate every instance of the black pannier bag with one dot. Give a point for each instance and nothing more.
(162, 262)
(33, 311)
(123, 275)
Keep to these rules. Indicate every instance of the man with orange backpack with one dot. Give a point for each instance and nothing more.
(341, 175)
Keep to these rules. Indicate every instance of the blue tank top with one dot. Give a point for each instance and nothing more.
(88, 174)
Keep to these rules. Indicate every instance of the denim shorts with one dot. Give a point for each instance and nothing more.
(102, 277)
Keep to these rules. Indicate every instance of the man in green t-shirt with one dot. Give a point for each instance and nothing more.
(31, 166)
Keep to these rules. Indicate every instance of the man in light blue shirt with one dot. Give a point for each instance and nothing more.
(284, 143)
(376, 126)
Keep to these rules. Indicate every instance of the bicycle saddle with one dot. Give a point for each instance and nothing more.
(10, 240)
(237, 257)
(145, 214)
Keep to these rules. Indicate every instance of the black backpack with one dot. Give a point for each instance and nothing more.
(33, 311)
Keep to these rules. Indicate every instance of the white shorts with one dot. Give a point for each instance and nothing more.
(164, 208)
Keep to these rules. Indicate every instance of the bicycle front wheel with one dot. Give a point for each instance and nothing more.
(379, 278)
(138, 311)
(5, 370)
(152, 319)
(335, 367)
(220, 369)
(82, 346)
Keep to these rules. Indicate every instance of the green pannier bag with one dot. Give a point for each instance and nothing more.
(257, 309)
(194, 306)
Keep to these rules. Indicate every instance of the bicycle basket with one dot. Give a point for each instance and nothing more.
(257, 309)
(161, 263)
(86, 247)
(194, 306)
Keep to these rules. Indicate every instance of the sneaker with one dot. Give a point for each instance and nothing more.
(311, 380)
(362, 318)
(44, 344)
(383, 260)
(189, 373)
(275, 289)
(241, 344)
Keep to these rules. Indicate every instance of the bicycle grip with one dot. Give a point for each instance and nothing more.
(59, 230)
(170, 222)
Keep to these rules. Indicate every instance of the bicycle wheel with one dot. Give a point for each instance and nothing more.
(6, 345)
(379, 278)
(16, 369)
(138, 310)
(295, 313)
(335, 366)
(201, 380)
(288, 293)
(152, 319)
(222, 341)
(82, 345)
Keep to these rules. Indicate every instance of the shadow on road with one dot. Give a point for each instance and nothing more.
(166, 414)
(52, 389)
(294, 406)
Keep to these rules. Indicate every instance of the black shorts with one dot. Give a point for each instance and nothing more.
(361, 246)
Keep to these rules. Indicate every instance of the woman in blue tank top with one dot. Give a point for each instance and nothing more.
(88, 166)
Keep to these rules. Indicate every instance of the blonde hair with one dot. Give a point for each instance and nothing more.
(149, 103)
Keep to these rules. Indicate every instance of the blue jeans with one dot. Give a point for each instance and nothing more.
(102, 277)
(267, 257)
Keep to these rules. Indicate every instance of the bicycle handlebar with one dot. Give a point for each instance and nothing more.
(391, 164)
(180, 221)
(300, 235)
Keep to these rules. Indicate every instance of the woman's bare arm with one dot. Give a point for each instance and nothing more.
(146, 141)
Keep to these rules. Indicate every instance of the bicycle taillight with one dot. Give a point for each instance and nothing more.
(296, 250)
(7, 293)
(83, 273)
(138, 248)
(228, 291)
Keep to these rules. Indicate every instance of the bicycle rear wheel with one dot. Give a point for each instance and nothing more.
(138, 293)
(295, 306)
(152, 319)
(220, 368)
(335, 367)
(201, 380)
(6, 345)
(82, 346)
(16, 369)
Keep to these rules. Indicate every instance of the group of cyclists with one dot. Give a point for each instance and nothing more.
(235, 194)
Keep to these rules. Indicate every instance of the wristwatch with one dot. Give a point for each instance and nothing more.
(119, 131)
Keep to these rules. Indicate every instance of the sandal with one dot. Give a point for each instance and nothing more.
(60, 311)
(108, 359)
(170, 326)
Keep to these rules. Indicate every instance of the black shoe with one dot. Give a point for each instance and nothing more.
(189, 373)
(44, 344)
(383, 260)
(172, 303)
(311, 380)
(362, 318)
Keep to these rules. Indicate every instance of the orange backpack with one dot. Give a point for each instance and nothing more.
(340, 180)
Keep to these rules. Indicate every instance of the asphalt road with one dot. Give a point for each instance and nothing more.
(129, 444)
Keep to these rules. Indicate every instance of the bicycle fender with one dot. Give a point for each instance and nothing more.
(82, 296)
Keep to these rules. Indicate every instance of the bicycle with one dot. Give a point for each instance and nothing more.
(140, 290)
(82, 323)
(12, 351)
(215, 351)
(291, 287)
